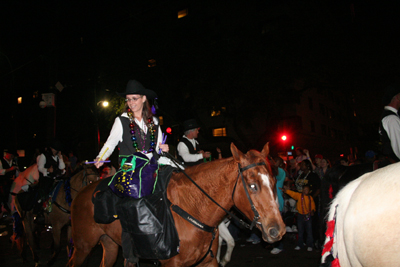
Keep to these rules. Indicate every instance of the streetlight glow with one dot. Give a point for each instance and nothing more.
(105, 103)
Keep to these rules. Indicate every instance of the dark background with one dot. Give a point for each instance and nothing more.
(244, 55)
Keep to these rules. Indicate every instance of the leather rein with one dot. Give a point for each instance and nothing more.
(84, 183)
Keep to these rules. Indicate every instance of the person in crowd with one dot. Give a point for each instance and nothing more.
(323, 167)
(317, 161)
(73, 160)
(219, 153)
(306, 209)
(51, 166)
(281, 177)
(135, 130)
(310, 178)
(8, 172)
(189, 151)
(389, 128)
(344, 161)
(292, 169)
(300, 156)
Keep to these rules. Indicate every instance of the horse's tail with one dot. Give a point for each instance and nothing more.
(336, 213)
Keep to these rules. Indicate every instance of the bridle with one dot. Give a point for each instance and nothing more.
(68, 191)
(240, 173)
(253, 208)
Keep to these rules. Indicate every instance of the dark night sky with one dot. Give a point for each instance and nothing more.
(42, 42)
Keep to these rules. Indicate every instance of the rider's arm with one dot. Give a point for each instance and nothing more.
(183, 151)
(112, 140)
(41, 163)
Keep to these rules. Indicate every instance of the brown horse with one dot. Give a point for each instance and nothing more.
(221, 179)
(58, 217)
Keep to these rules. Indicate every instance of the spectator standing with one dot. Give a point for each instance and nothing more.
(72, 161)
(323, 167)
(300, 156)
(306, 208)
(281, 177)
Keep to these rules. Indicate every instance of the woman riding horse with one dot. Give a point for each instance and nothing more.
(136, 130)
(244, 180)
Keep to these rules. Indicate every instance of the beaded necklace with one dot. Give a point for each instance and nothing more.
(133, 136)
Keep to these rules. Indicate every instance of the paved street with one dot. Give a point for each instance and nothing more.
(244, 254)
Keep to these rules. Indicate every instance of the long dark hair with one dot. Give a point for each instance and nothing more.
(146, 111)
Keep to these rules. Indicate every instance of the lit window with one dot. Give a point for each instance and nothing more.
(219, 132)
(182, 13)
(152, 63)
(215, 113)
(160, 120)
(20, 100)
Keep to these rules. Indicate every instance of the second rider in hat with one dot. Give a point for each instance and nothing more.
(188, 148)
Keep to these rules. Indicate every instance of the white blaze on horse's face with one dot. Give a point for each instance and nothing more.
(266, 182)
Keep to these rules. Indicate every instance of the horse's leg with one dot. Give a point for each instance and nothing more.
(110, 251)
(57, 223)
(29, 227)
(230, 242)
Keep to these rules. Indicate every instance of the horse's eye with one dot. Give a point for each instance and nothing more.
(253, 187)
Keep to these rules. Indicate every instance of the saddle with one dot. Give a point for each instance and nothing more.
(147, 220)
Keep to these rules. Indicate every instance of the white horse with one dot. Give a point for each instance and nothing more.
(224, 234)
(28, 177)
(367, 220)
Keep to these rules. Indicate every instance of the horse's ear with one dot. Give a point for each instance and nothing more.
(265, 151)
(236, 153)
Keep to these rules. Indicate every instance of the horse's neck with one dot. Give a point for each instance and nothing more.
(218, 181)
(76, 183)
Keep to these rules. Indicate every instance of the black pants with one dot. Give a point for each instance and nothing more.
(45, 185)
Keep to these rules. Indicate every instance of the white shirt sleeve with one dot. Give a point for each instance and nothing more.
(391, 124)
(183, 151)
(41, 163)
(61, 164)
(113, 139)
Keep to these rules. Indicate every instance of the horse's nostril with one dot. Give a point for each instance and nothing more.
(273, 232)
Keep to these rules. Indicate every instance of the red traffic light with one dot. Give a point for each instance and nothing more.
(169, 130)
(284, 137)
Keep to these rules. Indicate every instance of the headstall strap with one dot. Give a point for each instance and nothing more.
(253, 208)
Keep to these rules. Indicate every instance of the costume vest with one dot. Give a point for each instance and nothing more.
(192, 150)
(7, 177)
(50, 161)
(387, 149)
(126, 146)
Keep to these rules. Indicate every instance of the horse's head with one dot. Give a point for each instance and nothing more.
(90, 173)
(255, 171)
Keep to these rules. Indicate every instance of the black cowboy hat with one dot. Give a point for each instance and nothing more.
(11, 151)
(190, 124)
(55, 144)
(390, 92)
(136, 88)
